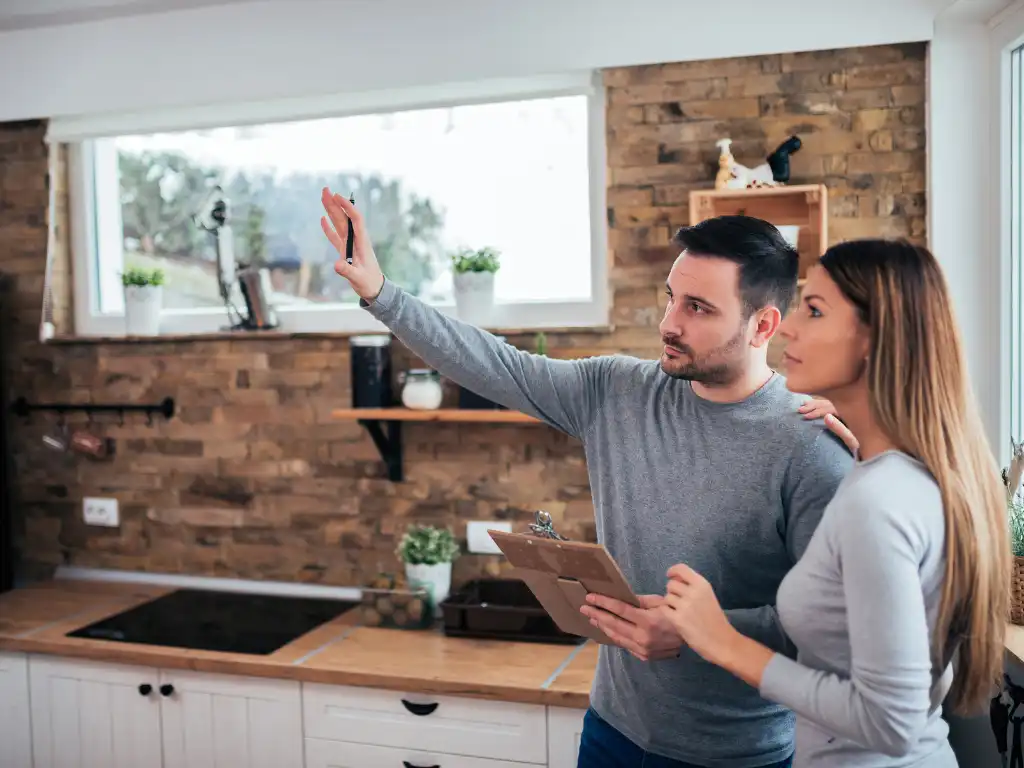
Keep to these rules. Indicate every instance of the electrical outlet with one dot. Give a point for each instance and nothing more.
(479, 541)
(100, 512)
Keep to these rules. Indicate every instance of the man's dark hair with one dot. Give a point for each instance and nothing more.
(768, 264)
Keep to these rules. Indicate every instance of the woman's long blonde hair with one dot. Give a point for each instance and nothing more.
(920, 396)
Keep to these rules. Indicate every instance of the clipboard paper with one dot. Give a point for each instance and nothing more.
(561, 574)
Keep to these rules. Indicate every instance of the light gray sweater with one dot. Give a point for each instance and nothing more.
(861, 607)
(733, 489)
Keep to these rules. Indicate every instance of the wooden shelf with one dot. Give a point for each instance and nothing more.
(462, 415)
(804, 205)
(385, 426)
(768, 192)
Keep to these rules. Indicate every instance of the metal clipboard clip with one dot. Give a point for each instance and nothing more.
(544, 527)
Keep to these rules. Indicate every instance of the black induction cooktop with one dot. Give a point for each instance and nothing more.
(236, 622)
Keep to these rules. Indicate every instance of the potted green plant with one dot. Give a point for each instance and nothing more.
(256, 240)
(473, 274)
(143, 300)
(1012, 479)
(428, 553)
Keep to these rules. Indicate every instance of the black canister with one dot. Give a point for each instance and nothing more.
(471, 401)
(371, 371)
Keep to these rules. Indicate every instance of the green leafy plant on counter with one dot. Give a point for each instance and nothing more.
(1013, 475)
(1016, 515)
(427, 545)
(142, 277)
(479, 260)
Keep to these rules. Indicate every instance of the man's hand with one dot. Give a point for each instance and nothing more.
(364, 272)
(645, 632)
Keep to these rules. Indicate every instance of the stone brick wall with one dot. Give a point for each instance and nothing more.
(253, 478)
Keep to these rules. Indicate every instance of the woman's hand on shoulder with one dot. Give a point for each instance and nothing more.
(820, 408)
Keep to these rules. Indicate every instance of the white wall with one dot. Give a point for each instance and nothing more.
(967, 180)
(283, 48)
(963, 193)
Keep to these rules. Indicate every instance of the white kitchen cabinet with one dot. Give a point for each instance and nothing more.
(565, 727)
(451, 725)
(229, 721)
(88, 714)
(15, 724)
(74, 713)
(321, 753)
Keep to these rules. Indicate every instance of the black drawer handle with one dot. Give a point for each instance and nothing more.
(407, 764)
(166, 689)
(419, 709)
(145, 689)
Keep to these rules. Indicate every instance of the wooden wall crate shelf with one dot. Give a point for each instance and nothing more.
(805, 205)
(385, 426)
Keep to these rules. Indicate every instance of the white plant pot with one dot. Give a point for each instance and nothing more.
(436, 579)
(142, 305)
(474, 296)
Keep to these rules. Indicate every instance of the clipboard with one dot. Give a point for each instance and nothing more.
(561, 574)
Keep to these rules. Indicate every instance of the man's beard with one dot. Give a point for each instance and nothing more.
(721, 366)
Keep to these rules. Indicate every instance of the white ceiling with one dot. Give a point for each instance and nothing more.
(27, 14)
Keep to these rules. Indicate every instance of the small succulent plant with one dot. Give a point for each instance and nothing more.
(427, 545)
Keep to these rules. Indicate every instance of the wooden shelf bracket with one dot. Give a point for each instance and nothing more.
(388, 445)
(385, 426)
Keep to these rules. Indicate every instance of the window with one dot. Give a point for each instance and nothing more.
(517, 167)
(1015, 319)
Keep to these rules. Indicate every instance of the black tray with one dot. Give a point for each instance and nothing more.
(501, 609)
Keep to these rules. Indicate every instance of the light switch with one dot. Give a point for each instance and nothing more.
(479, 541)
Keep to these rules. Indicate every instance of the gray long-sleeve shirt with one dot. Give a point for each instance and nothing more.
(733, 489)
(861, 607)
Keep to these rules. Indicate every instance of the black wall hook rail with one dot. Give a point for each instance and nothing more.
(23, 407)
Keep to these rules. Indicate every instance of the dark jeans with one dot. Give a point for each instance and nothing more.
(601, 746)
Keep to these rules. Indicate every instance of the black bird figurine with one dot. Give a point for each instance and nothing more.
(778, 160)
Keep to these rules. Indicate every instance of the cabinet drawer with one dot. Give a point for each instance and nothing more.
(450, 725)
(565, 729)
(321, 753)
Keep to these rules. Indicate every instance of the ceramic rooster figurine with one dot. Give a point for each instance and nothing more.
(771, 173)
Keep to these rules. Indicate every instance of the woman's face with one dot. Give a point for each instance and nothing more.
(827, 344)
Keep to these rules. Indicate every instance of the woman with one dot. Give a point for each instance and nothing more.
(910, 563)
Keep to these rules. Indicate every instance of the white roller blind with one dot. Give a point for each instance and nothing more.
(84, 127)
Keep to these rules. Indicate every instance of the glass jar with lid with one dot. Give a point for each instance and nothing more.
(421, 389)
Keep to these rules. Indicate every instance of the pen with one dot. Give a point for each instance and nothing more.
(351, 234)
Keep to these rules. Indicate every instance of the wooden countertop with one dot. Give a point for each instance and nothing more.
(1014, 641)
(36, 618)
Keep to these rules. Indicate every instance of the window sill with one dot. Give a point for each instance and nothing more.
(276, 335)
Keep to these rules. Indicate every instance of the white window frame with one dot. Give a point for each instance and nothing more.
(87, 230)
(1007, 37)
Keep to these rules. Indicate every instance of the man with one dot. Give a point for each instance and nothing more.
(700, 457)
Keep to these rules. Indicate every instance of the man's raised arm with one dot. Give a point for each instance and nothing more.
(563, 393)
